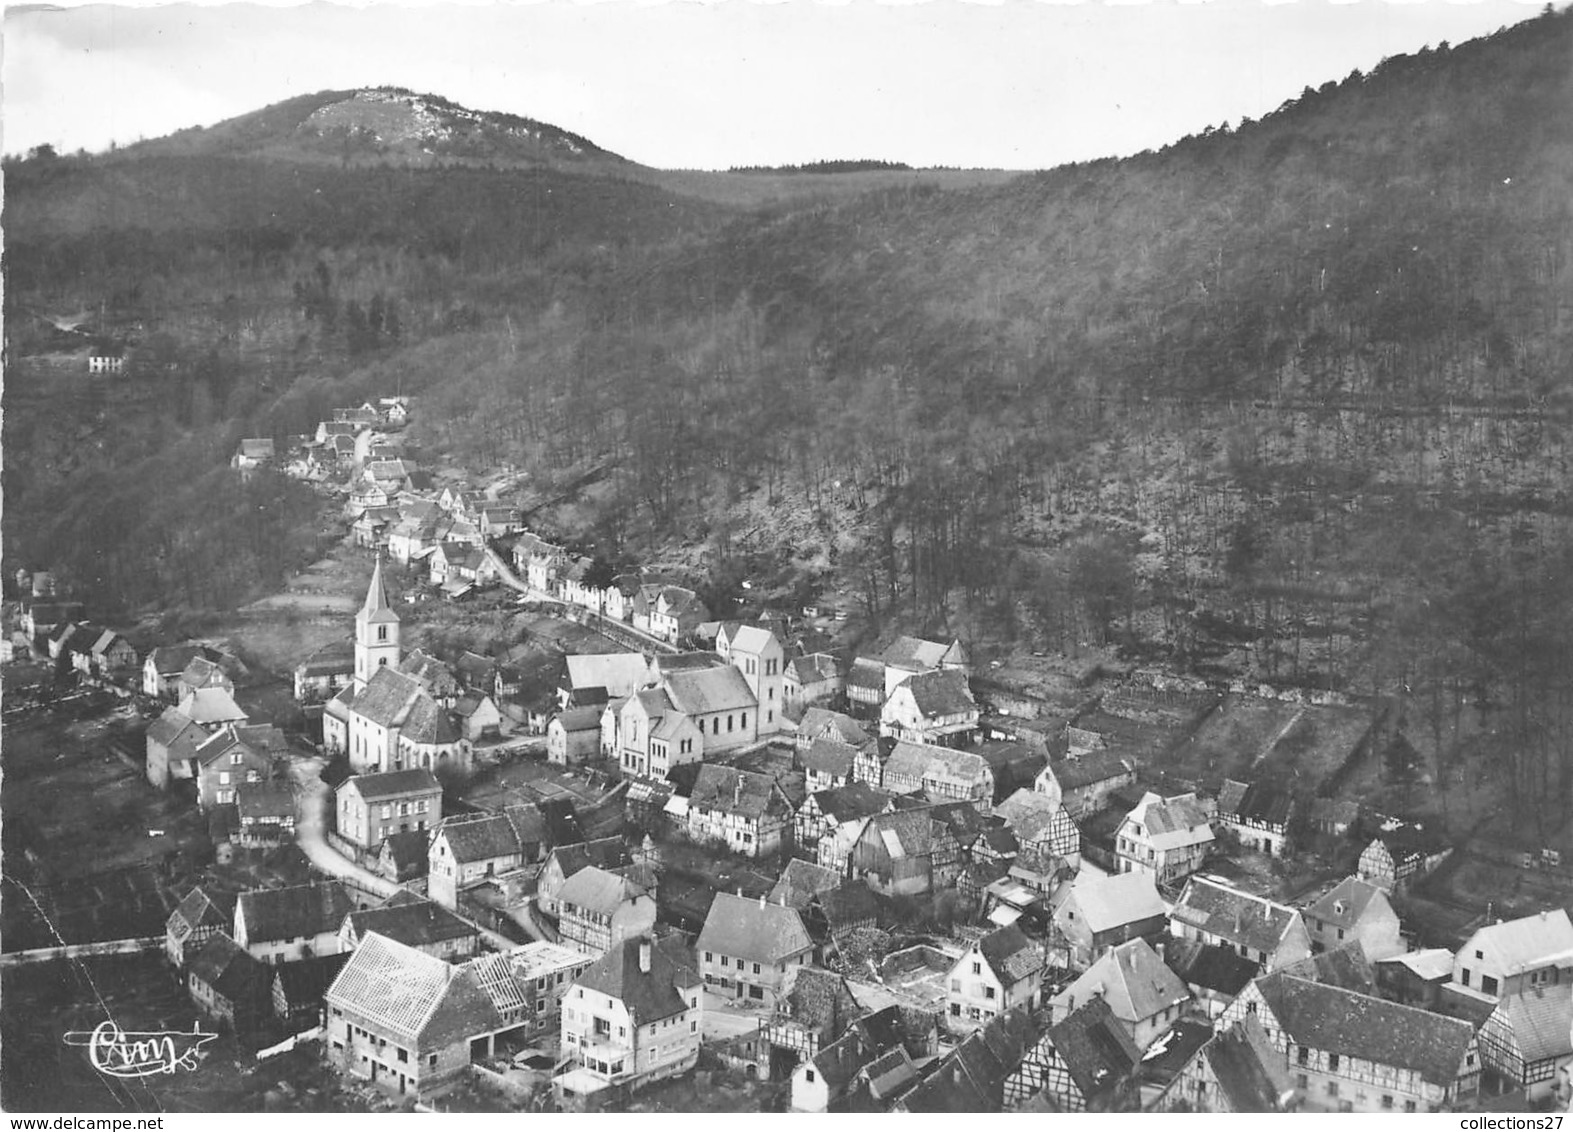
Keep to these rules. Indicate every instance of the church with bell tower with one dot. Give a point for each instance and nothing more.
(376, 632)
(387, 719)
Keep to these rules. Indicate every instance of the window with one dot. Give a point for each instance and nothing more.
(431, 1061)
(382, 632)
(709, 958)
(955, 1010)
(1387, 1100)
(1480, 955)
(1302, 1080)
(955, 985)
(756, 968)
(1303, 1057)
(977, 968)
(1332, 1063)
(725, 962)
(404, 1054)
(1340, 933)
(1488, 984)
(808, 1075)
(1332, 1088)
(237, 758)
(744, 722)
(988, 992)
(729, 723)
(223, 778)
(1409, 1106)
(1463, 977)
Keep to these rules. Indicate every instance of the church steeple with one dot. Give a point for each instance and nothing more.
(376, 631)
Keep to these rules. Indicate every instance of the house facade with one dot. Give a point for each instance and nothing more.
(999, 972)
(372, 807)
(751, 949)
(1165, 838)
(1355, 909)
(1268, 933)
(1517, 956)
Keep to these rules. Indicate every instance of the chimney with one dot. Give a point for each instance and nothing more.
(644, 955)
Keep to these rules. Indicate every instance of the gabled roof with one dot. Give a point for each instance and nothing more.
(1172, 823)
(304, 981)
(1346, 902)
(829, 756)
(915, 654)
(972, 1077)
(819, 1000)
(813, 668)
(709, 690)
(210, 706)
(1091, 768)
(416, 923)
(1210, 966)
(1132, 980)
(200, 909)
(801, 881)
(854, 800)
(734, 791)
(1357, 1025)
(1239, 917)
(648, 996)
(1036, 817)
(472, 839)
(262, 741)
(752, 639)
(290, 913)
(608, 853)
(1250, 1072)
(903, 833)
(1526, 943)
(580, 719)
(1431, 964)
(597, 890)
(261, 801)
(408, 994)
(408, 851)
(1096, 1049)
(228, 968)
(1114, 900)
(1342, 966)
(171, 660)
(1259, 802)
(755, 930)
(817, 720)
(1541, 1020)
(1011, 955)
(394, 784)
(620, 673)
(940, 693)
(841, 1061)
(175, 726)
(922, 760)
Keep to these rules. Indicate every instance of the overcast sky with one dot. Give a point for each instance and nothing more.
(1017, 84)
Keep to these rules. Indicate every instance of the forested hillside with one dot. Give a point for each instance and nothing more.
(1287, 400)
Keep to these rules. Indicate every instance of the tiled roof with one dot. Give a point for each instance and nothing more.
(1541, 1020)
(1343, 966)
(1210, 966)
(903, 833)
(734, 791)
(394, 784)
(473, 839)
(829, 756)
(817, 720)
(620, 673)
(1233, 915)
(848, 906)
(940, 693)
(175, 724)
(1357, 1025)
(1132, 980)
(648, 996)
(580, 719)
(408, 851)
(1259, 802)
(416, 923)
(972, 1077)
(1171, 1051)
(388, 697)
(1033, 816)
(814, 668)
(597, 890)
(1172, 823)
(1114, 900)
(801, 881)
(819, 1000)
(868, 673)
(304, 981)
(1525, 943)
(171, 660)
(1346, 902)
(752, 639)
(200, 909)
(840, 1062)
(227, 967)
(211, 705)
(914, 653)
(709, 690)
(1089, 769)
(1250, 1072)
(1096, 1049)
(755, 930)
(1011, 955)
(1430, 963)
(290, 913)
(408, 994)
(607, 853)
(921, 760)
(261, 800)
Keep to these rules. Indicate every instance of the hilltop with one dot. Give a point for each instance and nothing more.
(388, 125)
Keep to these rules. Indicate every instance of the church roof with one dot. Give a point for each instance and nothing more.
(376, 607)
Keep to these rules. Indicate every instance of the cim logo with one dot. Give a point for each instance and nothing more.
(140, 1053)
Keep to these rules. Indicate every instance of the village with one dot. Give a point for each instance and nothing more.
(864, 877)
